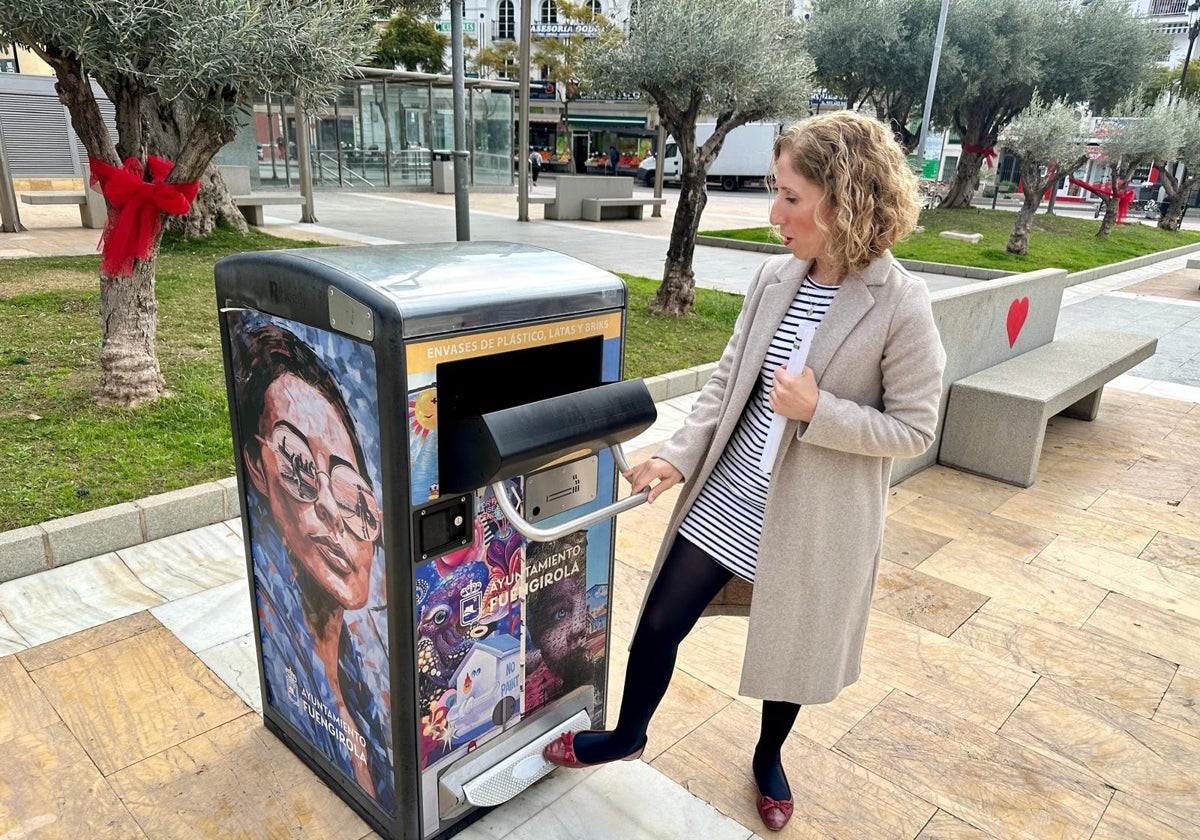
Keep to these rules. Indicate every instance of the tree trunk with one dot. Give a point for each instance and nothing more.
(129, 371)
(1110, 217)
(1018, 243)
(1173, 218)
(213, 204)
(966, 181)
(677, 292)
(1177, 193)
(1035, 186)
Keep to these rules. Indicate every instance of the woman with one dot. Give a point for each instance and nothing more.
(315, 524)
(810, 534)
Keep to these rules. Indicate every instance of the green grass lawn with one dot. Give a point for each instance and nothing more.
(63, 454)
(1055, 242)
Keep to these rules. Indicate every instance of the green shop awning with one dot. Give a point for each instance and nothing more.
(608, 122)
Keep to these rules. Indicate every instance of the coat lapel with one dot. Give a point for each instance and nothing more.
(852, 302)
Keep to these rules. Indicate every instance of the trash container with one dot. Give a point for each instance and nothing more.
(443, 172)
(427, 441)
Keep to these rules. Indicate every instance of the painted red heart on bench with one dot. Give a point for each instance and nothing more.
(1017, 312)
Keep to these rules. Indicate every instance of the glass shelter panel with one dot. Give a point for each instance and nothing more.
(492, 137)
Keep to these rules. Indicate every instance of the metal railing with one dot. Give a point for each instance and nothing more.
(338, 171)
(1165, 8)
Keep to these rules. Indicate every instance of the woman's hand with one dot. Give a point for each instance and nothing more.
(795, 397)
(645, 474)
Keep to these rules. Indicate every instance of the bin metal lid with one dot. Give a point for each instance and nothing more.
(439, 288)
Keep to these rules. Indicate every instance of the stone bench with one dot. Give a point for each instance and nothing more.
(996, 419)
(237, 181)
(252, 205)
(570, 191)
(92, 210)
(597, 209)
(541, 199)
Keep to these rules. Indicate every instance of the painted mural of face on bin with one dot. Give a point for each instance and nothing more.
(310, 447)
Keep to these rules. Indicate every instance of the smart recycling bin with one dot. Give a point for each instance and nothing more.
(427, 441)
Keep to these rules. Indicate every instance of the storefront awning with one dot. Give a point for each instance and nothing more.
(610, 122)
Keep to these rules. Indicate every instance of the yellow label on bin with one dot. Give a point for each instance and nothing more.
(423, 357)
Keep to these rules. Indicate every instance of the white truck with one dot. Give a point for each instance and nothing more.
(744, 158)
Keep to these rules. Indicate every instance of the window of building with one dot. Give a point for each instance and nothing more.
(506, 20)
(549, 12)
(595, 6)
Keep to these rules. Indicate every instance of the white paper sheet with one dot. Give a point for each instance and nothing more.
(795, 364)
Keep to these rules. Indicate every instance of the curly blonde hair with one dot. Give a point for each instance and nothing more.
(870, 199)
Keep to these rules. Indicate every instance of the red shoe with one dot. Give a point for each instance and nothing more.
(775, 813)
(562, 752)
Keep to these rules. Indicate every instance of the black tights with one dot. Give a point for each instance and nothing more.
(688, 581)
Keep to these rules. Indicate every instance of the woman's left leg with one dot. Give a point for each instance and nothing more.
(777, 719)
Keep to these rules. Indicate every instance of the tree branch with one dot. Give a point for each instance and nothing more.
(75, 92)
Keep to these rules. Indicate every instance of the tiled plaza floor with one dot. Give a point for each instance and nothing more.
(1032, 670)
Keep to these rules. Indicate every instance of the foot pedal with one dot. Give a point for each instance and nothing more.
(514, 774)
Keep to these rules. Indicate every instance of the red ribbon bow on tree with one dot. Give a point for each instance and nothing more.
(989, 153)
(137, 208)
(1125, 195)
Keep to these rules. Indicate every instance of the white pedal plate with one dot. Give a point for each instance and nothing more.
(514, 774)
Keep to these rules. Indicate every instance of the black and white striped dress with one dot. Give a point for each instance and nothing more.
(727, 518)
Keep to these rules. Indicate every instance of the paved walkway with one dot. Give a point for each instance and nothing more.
(1032, 668)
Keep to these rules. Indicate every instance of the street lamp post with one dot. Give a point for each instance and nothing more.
(933, 71)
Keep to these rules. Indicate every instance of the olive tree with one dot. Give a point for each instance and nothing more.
(1006, 49)
(877, 53)
(1047, 139)
(739, 61)
(1179, 186)
(182, 75)
(1139, 137)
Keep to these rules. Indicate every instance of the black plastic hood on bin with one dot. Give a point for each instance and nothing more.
(479, 450)
(435, 288)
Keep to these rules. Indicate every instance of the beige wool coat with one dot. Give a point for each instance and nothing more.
(878, 363)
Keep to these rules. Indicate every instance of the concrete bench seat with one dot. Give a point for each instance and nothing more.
(237, 181)
(597, 209)
(252, 205)
(92, 210)
(995, 419)
(541, 199)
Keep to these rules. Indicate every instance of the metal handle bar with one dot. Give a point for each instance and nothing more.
(533, 532)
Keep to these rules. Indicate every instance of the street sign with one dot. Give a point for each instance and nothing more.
(444, 26)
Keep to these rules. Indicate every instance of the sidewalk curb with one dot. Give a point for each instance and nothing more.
(949, 269)
(59, 542)
(952, 270)
(1126, 265)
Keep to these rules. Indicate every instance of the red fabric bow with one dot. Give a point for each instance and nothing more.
(989, 153)
(1124, 196)
(137, 208)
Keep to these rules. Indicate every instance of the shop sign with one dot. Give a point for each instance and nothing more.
(824, 97)
(564, 30)
(629, 96)
(543, 89)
